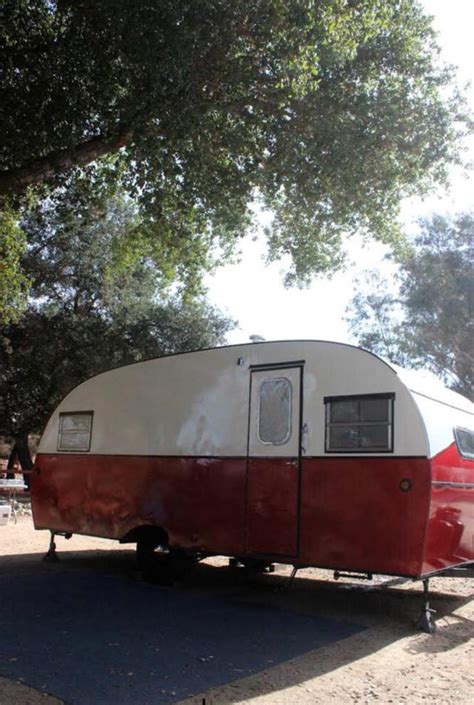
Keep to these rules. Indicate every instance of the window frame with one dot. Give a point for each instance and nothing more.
(290, 412)
(389, 396)
(462, 453)
(63, 414)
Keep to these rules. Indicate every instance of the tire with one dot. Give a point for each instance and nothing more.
(252, 566)
(256, 566)
(161, 565)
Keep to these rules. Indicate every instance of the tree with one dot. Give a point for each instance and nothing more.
(375, 316)
(426, 318)
(13, 282)
(330, 112)
(84, 315)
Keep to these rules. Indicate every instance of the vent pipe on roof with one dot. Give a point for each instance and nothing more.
(256, 338)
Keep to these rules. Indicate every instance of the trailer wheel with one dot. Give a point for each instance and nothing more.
(252, 566)
(161, 565)
(152, 560)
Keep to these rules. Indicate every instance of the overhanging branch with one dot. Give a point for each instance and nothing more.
(15, 181)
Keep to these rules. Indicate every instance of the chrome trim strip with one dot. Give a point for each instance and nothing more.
(459, 485)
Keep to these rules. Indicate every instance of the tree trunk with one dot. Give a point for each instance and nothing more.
(21, 451)
(11, 462)
(43, 169)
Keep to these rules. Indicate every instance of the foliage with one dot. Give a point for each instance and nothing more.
(119, 235)
(427, 317)
(13, 282)
(375, 316)
(52, 350)
(86, 315)
(329, 111)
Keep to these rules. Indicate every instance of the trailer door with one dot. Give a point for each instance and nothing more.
(274, 450)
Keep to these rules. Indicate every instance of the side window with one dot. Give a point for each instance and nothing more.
(274, 411)
(359, 424)
(465, 442)
(75, 430)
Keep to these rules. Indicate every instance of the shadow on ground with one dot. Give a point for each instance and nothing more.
(91, 637)
(85, 631)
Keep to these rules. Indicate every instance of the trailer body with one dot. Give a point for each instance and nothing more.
(303, 452)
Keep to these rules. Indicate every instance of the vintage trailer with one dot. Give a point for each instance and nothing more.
(309, 453)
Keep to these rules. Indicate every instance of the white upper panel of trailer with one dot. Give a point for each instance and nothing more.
(197, 404)
(441, 408)
(426, 384)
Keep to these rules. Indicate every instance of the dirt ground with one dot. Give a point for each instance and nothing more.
(389, 662)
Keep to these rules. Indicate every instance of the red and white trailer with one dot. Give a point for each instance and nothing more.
(309, 453)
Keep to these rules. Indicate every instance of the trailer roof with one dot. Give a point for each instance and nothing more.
(419, 382)
(425, 383)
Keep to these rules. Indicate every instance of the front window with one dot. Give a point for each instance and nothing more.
(75, 430)
(465, 442)
(359, 424)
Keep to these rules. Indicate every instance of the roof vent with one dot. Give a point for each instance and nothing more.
(256, 338)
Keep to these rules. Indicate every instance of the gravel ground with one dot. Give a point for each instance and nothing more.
(388, 662)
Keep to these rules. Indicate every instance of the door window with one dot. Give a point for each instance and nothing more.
(274, 416)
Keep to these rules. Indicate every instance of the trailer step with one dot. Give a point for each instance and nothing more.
(354, 576)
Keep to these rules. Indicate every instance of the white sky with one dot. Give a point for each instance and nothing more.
(253, 294)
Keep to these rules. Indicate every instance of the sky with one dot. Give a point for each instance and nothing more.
(253, 294)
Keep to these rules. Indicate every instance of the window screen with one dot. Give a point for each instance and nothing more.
(274, 416)
(465, 442)
(75, 431)
(359, 424)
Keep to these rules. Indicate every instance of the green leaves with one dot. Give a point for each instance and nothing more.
(13, 280)
(429, 321)
(330, 112)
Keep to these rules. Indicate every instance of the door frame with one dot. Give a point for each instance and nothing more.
(277, 366)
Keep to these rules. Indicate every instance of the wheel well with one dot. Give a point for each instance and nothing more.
(150, 534)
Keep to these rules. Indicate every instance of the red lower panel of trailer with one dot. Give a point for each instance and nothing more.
(365, 514)
(450, 530)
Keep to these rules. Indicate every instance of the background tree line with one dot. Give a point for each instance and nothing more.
(424, 317)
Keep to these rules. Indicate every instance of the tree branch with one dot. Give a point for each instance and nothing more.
(15, 181)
